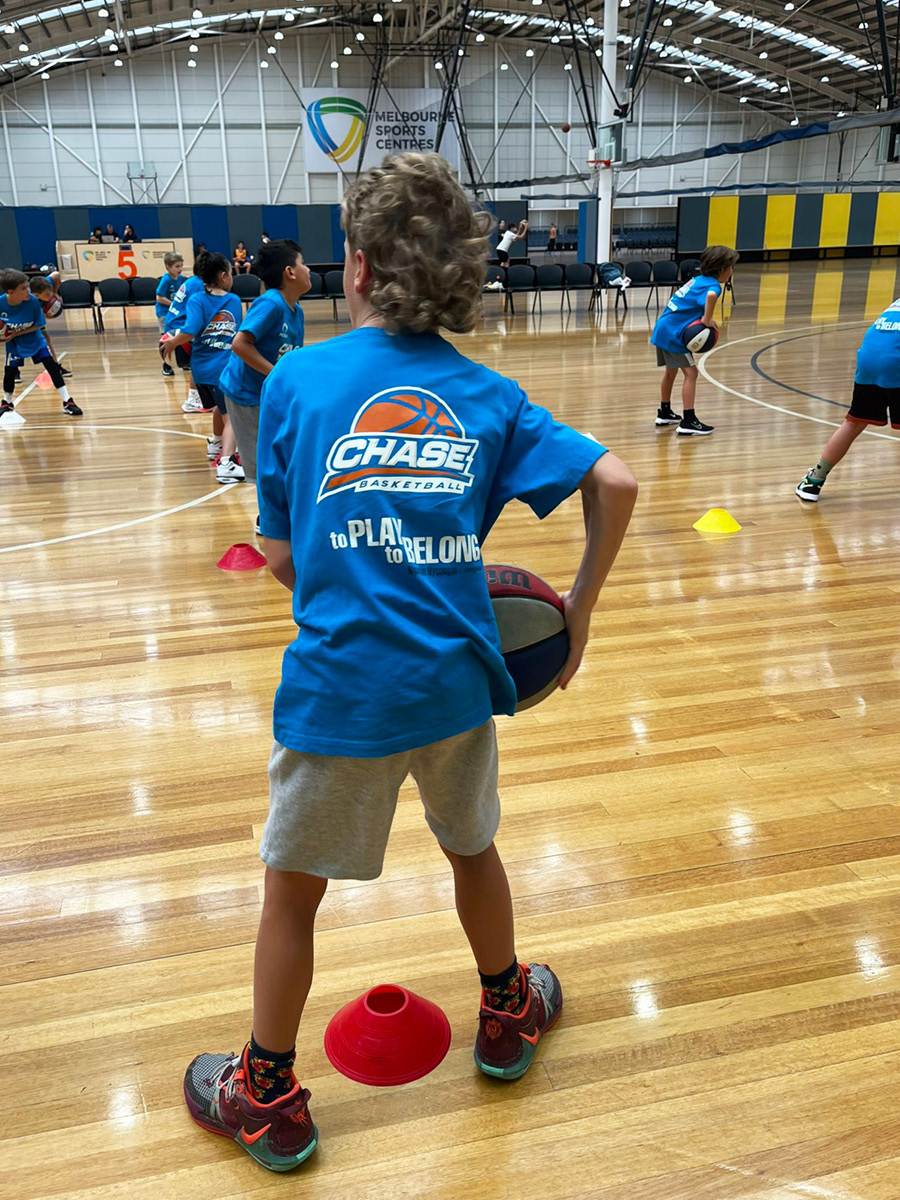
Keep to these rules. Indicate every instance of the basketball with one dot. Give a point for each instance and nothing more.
(164, 351)
(566, 128)
(532, 627)
(52, 307)
(408, 413)
(698, 338)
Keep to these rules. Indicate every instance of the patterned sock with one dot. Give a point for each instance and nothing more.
(819, 473)
(505, 992)
(271, 1075)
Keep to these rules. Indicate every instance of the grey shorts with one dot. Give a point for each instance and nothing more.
(665, 359)
(245, 423)
(331, 816)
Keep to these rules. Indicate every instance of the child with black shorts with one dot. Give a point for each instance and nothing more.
(876, 393)
(384, 458)
(46, 290)
(168, 285)
(695, 301)
(23, 322)
(210, 323)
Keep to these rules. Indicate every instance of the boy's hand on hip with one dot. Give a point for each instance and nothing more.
(578, 626)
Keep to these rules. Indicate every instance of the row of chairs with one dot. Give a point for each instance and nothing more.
(586, 277)
(132, 293)
(644, 237)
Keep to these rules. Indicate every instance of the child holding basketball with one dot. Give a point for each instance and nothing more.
(168, 285)
(695, 301)
(272, 328)
(380, 453)
(210, 322)
(46, 290)
(173, 319)
(23, 324)
(876, 394)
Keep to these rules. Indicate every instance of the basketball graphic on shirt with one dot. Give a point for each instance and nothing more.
(409, 412)
(402, 440)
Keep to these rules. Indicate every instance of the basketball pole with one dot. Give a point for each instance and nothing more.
(607, 116)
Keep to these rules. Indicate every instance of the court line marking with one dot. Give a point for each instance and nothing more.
(701, 365)
(221, 490)
(787, 387)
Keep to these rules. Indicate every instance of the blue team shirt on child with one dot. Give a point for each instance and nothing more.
(213, 322)
(878, 358)
(167, 287)
(688, 304)
(20, 316)
(175, 313)
(385, 460)
(277, 329)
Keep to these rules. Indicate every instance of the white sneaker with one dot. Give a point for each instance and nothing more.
(229, 469)
(194, 403)
(213, 448)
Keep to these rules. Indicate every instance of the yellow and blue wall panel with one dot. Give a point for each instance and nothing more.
(831, 222)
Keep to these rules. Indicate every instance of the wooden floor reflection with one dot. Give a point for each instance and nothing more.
(703, 834)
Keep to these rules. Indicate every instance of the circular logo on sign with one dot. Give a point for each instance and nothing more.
(87, 255)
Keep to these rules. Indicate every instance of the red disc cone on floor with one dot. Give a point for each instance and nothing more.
(241, 557)
(387, 1036)
(44, 381)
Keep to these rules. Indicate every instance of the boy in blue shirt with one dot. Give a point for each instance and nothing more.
(695, 301)
(876, 393)
(165, 290)
(272, 328)
(23, 321)
(384, 458)
(211, 318)
(173, 320)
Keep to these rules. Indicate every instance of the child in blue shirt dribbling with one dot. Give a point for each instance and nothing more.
(384, 458)
(695, 301)
(23, 320)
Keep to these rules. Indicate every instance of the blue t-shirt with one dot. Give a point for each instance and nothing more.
(878, 358)
(167, 287)
(20, 316)
(213, 322)
(176, 311)
(277, 329)
(385, 460)
(688, 304)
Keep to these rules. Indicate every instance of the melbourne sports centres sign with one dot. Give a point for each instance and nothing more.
(337, 124)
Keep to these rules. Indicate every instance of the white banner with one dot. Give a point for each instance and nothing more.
(336, 121)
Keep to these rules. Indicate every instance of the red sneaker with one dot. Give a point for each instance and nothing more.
(507, 1042)
(279, 1135)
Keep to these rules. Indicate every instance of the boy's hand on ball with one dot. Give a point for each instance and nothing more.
(578, 626)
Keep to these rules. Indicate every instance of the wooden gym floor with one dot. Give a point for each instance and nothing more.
(702, 834)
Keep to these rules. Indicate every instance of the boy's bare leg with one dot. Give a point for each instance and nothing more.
(665, 386)
(841, 441)
(485, 908)
(283, 968)
(229, 441)
(688, 388)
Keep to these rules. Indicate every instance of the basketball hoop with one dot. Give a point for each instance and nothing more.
(597, 165)
(599, 162)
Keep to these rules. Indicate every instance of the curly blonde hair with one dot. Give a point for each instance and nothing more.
(425, 245)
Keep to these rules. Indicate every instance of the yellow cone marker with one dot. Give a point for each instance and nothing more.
(717, 520)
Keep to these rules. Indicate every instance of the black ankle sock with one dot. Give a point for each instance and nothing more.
(504, 992)
(271, 1075)
(665, 406)
(688, 414)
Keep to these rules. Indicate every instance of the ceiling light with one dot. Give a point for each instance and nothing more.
(688, 78)
(102, 12)
(264, 63)
(289, 16)
(698, 41)
(824, 79)
(529, 53)
(9, 29)
(35, 62)
(864, 25)
(347, 50)
(195, 33)
(117, 63)
(668, 22)
(796, 121)
(113, 47)
(360, 37)
(479, 37)
(504, 66)
(842, 114)
(439, 66)
(625, 4)
(589, 21)
(278, 35)
(743, 100)
(271, 50)
(764, 54)
(784, 88)
(377, 18)
(23, 46)
(192, 49)
(555, 39)
(334, 64)
(461, 54)
(192, 62)
(789, 8)
(598, 52)
(46, 75)
(567, 67)
(197, 14)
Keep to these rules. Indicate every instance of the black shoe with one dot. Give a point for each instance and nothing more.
(256, 528)
(167, 370)
(71, 409)
(64, 370)
(6, 407)
(809, 489)
(695, 427)
(665, 416)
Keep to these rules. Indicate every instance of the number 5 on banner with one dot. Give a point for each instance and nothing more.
(127, 268)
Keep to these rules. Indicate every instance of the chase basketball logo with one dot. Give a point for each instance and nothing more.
(339, 139)
(219, 333)
(404, 439)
